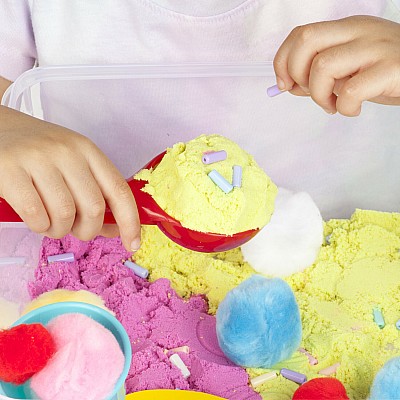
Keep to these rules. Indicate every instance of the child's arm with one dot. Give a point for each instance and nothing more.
(58, 181)
(342, 63)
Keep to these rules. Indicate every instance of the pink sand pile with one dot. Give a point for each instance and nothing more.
(87, 363)
(155, 317)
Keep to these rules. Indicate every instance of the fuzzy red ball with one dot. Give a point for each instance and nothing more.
(24, 350)
(321, 389)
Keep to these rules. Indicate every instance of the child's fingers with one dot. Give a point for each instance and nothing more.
(283, 78)
(56, 198)
(119, 197)
(89, 202)
(18, 190)
(293, 60)
(109, 230)
(367, 84)
(298, 91)
(331, 65)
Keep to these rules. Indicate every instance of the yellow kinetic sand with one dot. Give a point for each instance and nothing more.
(357, 269)
(191, 272)
(61, 295)
(181, 187)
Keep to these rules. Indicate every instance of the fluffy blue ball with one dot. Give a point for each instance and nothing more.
(386, 385)
(258, 322)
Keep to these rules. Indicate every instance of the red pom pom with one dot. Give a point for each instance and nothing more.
(24, 350)
(321, 389)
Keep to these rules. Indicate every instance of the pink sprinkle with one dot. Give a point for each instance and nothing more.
(329, 370)
(311, 359)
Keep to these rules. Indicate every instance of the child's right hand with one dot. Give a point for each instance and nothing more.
(58, 181)
(342, 63)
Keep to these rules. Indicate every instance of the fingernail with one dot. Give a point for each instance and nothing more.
(329, 111)
(280, 83)
(135, 245)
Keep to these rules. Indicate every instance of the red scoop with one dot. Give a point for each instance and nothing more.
(151, 214)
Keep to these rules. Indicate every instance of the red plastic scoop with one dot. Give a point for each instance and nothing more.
(150, 213)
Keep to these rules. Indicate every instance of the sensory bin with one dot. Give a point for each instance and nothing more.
(348, 297)
(337, 317)
(357, 270)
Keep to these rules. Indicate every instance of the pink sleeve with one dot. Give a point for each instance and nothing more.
(17, 44)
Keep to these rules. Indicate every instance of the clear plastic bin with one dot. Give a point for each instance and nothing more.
(121, 107)
(134, 112)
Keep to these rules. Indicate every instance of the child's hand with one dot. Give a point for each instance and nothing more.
(58, 181)
(342, 63)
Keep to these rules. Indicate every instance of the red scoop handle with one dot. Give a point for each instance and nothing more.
(7, 213)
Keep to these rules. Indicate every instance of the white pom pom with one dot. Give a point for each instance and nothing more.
(290, 242)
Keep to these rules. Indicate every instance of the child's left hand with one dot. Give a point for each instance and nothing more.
(342, 63)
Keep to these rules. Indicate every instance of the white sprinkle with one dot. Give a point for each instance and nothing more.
(12, 260)
(177, 361)
(259, 380)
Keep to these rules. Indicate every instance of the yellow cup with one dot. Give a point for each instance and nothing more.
(164, 394)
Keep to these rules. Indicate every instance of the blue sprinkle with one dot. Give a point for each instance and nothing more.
(378, 317)
(137, 269)
(220, 181)
(237, 176)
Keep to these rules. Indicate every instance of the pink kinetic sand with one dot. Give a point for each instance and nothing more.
(87, 363)
(155, 317)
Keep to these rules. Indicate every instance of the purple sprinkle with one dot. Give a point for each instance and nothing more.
(66, 257)
(237, 176)
(137, 269)
(220, 181)
(273, 91)
(214, 156)
(293, 376)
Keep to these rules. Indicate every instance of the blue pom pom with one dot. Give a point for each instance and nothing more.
(386, 384)
(258, 322)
